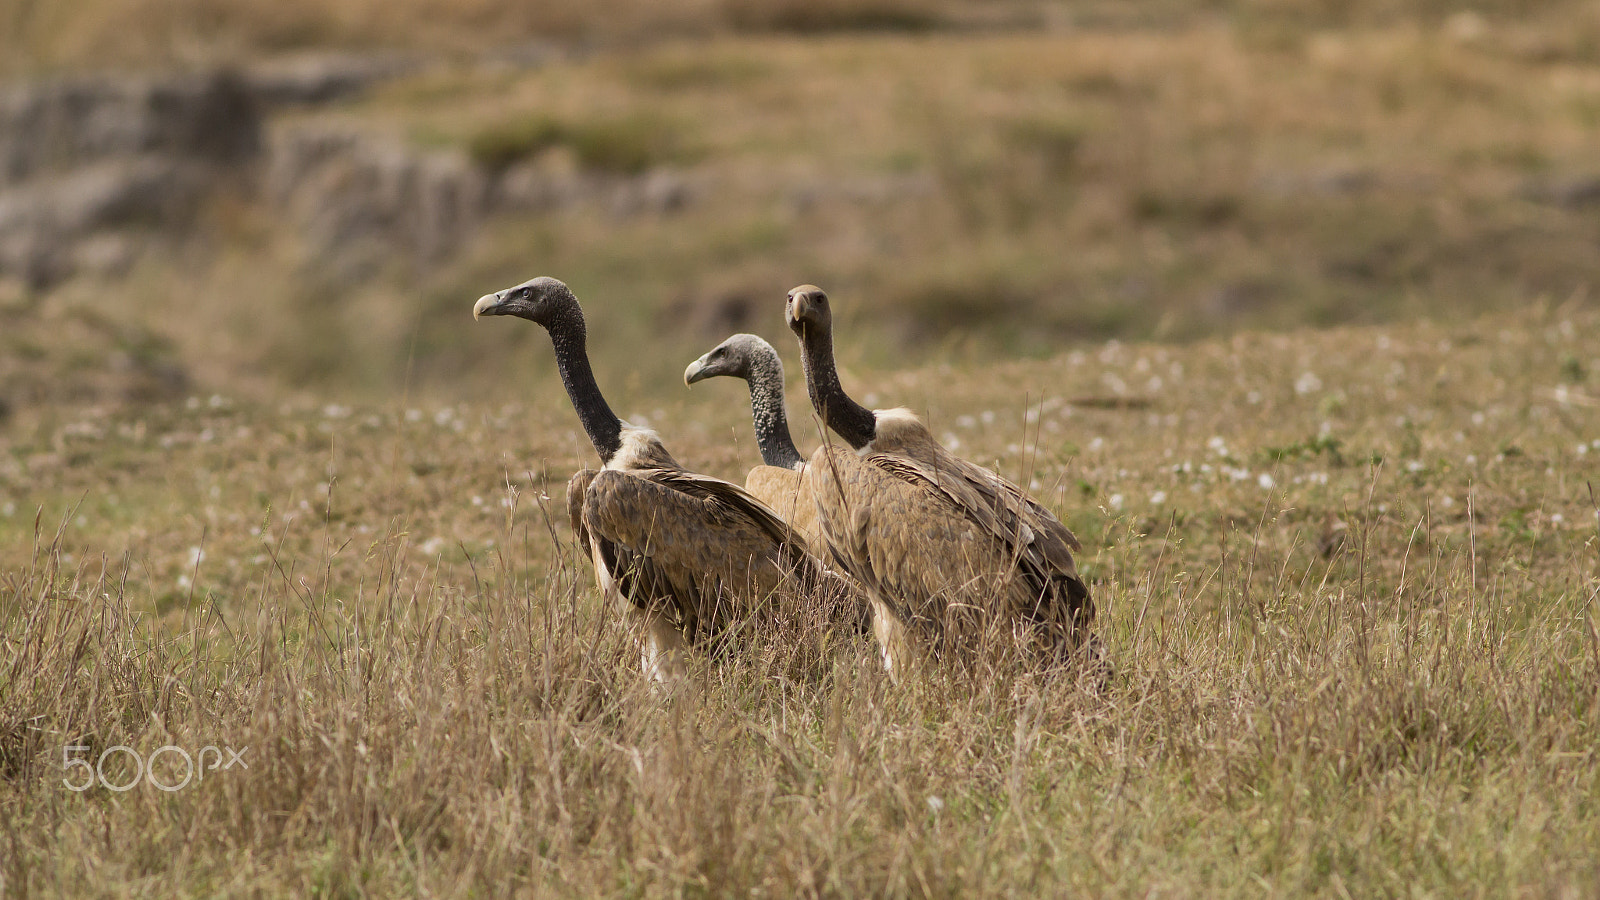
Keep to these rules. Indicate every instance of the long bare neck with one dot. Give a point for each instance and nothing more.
(568, 335)
(849, 419)
(767, 412)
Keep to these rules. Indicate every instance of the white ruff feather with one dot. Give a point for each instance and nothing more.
(636, 444)
(892, 425)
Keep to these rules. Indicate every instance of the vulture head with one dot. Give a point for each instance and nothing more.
(807, 311)
(543, 300)
(740, 356)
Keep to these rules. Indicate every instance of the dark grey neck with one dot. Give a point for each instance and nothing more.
(771, 421)
(849, 419)
(572, 359)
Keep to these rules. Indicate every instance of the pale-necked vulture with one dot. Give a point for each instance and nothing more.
(783, 481)
(955, 559)
(683, 556)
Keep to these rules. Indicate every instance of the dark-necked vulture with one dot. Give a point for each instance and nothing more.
(683, 556)
(954, 558)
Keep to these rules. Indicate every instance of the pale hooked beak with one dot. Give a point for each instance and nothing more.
(799, 303)
(485, 305)
(692, 374)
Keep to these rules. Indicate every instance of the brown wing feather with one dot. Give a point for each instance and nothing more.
(1040, 546)
(577, 485)
(715, 553)
(941, 549)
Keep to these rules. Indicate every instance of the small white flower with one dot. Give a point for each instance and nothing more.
(1557, 518)
(1265, 481)
(1158, 498)
(1307, 383)
(1115, 502)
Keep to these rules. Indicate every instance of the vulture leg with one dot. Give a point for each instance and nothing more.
(662, 651)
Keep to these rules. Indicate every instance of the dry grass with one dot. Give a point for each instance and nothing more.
(1349, 577)
(1337, 675)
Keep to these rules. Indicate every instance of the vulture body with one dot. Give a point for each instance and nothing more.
(682, 556)
(956, 561)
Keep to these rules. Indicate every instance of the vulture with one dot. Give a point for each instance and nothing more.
(956, 561)
(684, 557)
(781, 481)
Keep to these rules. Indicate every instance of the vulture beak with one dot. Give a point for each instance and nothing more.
(486, 306)
(802, 303)
(695, 372)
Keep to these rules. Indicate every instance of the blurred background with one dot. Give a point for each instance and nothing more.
(306, 196)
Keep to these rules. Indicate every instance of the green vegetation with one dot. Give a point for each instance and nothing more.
(626, 146)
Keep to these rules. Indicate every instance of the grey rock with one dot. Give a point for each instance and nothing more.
(322, 78)
(53, 226)
(360, 200)
(60, 125)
